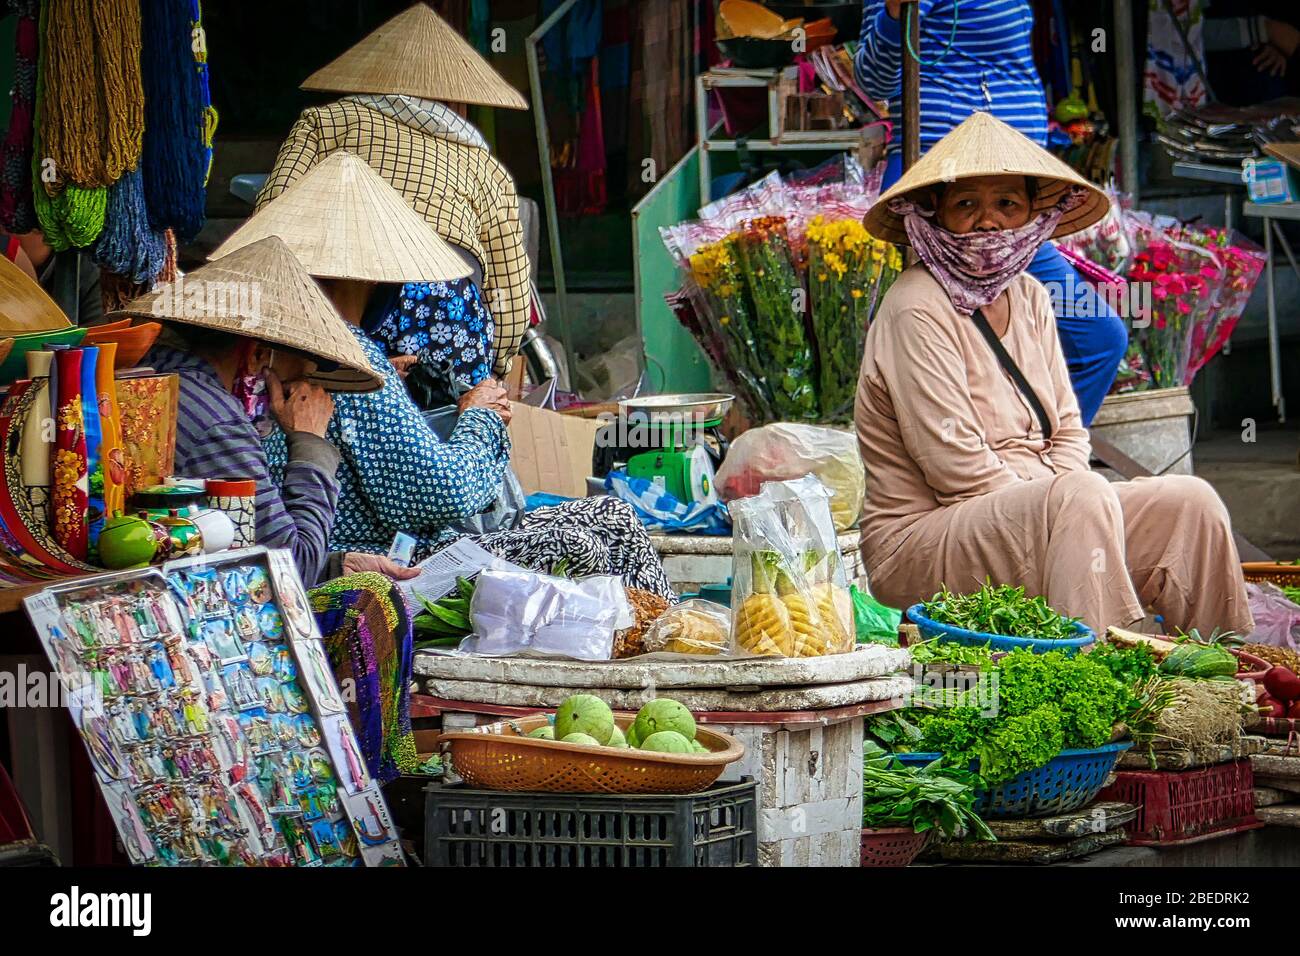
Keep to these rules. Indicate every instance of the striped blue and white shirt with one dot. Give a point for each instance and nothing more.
(990, 66)
(215, 439)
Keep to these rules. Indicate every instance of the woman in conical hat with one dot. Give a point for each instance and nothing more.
(971, 475)
(395, 116)
(248, 334)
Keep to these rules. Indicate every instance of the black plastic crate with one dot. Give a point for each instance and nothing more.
(718, 827)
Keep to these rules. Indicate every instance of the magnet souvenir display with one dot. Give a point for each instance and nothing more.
(215, 740)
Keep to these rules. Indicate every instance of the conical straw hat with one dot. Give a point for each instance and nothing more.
(344, 221)
(261, 291)
(417, 53)
(985, 146)
(24, 306)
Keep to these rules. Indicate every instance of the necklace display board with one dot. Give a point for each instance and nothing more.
(218, 734)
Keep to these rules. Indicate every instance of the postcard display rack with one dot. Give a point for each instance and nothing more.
(205, 698)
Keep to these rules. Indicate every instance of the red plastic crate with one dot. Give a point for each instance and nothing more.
(1184, 806)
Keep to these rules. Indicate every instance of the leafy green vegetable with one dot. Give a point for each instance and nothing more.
(1022, 743)
(1002, 610)
(1131, 666)
(896, 729)
(946, 652)
(923, 798)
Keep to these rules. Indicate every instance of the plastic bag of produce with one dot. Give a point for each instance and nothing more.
(874, 622)
(692, 627)
(1277, 620)
(787, 450)
(524, 612)
(804, 504)
(776, 610)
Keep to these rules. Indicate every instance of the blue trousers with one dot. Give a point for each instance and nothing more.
(1093, 337)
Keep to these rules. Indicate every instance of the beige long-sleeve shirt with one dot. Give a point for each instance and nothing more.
(939, 421)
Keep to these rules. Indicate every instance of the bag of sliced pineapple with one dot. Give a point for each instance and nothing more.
(805, 509)
(776, 611)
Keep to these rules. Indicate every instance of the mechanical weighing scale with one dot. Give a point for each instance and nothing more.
(681, 433)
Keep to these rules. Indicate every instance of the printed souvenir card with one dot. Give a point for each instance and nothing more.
(206, 701)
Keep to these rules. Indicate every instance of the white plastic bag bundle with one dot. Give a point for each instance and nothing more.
(805, 508)
(786, 450)
(525, 612)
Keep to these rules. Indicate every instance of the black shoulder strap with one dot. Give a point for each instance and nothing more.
(1012, 369)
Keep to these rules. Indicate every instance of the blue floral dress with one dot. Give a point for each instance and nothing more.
(395, 474)
(439, 322)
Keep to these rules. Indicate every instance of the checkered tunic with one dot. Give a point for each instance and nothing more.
(462, 191)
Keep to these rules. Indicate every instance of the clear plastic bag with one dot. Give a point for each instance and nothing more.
(776, 609)
(692, 627)
(787, 450)
(1277, 620)
(525, 612)
(804, 505)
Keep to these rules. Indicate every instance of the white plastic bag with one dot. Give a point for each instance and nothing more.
(1277, 619)
(693, 627)
(524, 612)
(786, 450)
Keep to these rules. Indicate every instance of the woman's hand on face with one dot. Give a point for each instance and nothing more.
(354, 562)
(404, 363)
(299, 406)
(489, 394)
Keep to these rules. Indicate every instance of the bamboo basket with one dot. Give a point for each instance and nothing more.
(501, 756)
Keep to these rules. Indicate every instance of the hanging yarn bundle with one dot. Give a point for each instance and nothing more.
(129, 246)
(17, 215)
(117, 290)
(93, 108)
(178, 115)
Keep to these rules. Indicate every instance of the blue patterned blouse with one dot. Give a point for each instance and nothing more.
(396, 475)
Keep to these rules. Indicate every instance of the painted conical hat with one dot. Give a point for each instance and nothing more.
(263, 292)
(344, 221)
(24, 305)
(417, 53)
(985, 146)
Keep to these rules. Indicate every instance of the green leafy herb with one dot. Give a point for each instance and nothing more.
(1002, 610)
(923, 798)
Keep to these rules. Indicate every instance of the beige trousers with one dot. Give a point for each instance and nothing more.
(1094, 549)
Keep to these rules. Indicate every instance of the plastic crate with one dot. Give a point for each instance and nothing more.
(717, 827)
(894, 846)
(1184, 806)
(1069, 781)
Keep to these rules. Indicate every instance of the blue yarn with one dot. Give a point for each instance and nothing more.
(175, 157)
(129, 246)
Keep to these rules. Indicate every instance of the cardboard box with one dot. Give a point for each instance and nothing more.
(1270, 180)
(551, 452)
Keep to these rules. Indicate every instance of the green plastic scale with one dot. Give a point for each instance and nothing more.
(672, 427)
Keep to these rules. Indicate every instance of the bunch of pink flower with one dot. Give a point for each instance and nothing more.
(1182, 278)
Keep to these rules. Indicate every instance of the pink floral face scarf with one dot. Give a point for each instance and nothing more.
(975, 267)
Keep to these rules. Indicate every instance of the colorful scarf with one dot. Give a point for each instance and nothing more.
(975, 267)
(367, 632)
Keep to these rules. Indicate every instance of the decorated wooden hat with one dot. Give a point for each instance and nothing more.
(985, 146)
(24, 306)
(261, 291)
(417, 53)
(344, 221)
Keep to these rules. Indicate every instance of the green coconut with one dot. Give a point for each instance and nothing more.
(664, 714)
(632, 737)
(667, 742)
(578, 738)
(543, 733)
(616, 739)
(584, 714)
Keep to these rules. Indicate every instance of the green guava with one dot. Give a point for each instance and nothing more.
(576, 738)
(699, 748)
(584, 714)
(632, 737)
(667, 742)
(616, 739)
(664, 714)
(543, 733)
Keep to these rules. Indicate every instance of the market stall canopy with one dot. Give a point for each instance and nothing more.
(417, 53)
(983, 145)
(344, 221)
(24, 306)
(263, 292)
